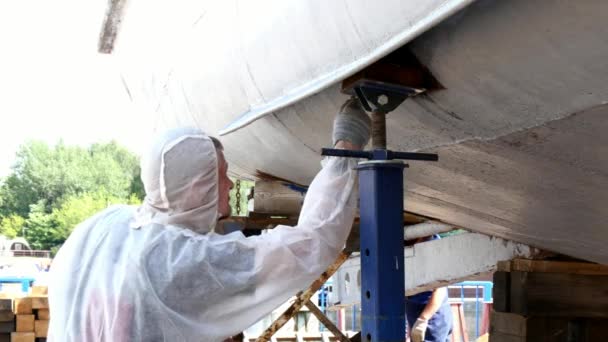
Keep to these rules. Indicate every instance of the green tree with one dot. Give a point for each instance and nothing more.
(11, 226)
(53, 188)
(40, 228)
(47, 231)
(75, 209)
(53, 173)
(127, 167)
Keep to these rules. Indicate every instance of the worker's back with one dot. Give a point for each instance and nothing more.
(115, 288)
(115, 281)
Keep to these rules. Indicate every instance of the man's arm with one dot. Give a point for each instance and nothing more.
(285, 259)
(222, 284)
(419, 328)
(226, 283)
(434, 303)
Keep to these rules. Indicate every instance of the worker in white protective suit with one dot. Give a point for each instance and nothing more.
(160, 273)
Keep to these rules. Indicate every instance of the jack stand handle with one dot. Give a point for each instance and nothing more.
(333, 152)
(379, 154)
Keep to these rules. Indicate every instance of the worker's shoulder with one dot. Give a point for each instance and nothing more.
(119, 211)
(100, 225)
(211, 237)
(111, 215)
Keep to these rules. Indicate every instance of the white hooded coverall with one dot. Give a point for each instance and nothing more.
(160, 273)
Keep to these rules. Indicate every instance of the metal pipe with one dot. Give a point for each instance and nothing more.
(425, 229)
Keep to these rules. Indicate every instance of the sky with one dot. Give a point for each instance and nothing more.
(53, 83)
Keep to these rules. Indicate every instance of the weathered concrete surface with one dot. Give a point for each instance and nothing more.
(519, 128)
(429, 265)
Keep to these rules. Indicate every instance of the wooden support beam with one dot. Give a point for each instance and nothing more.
(259, 221)
(552, 289)
(23, 337)
(549, 266)
(326, 322)
(559, 294)
(501, 292)
(302, 297)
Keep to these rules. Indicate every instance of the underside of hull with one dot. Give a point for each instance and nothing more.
(519, 126)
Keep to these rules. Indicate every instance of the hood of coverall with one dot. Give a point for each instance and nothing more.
(180, 175)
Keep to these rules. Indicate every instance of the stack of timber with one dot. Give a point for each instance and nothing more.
(25, 319)
(550, 301)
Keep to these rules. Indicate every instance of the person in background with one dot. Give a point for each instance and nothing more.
(428, 314)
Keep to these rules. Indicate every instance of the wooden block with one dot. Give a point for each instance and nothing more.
(39, 291)
(503, 266)
(22, 306)
(23, 337)
(501, 337)
(6, 304)
(7, 327)
(25, 323)
(7, 316)
(559, 294)
(531, 328)
(501, 291)
(40, 302)
(508, 327)
(597, 329)
(508, 323)
(43, 314)
(518, 297)
(41, 328)
(547, 266)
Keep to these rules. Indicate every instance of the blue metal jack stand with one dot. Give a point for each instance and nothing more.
(381, 210)
(382, 280)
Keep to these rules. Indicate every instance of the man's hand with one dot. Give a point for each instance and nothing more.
(419, 330)
(352, 124)
(437, 299)
(347, 145)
